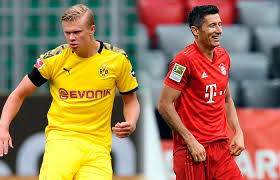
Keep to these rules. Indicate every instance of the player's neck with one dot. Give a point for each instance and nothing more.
(206, 51)
(95, 47)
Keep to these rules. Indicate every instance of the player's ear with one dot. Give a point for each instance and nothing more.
(194, 30)
(92, 29)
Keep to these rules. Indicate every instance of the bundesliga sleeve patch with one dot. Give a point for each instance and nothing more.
(132, 73)
(177, 72)
(39, 64)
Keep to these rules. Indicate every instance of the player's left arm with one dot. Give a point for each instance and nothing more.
(237, 142)
(131, 110)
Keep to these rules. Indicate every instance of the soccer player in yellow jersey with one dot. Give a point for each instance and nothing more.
(83, 76)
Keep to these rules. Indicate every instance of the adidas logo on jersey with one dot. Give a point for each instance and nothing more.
(204, 75)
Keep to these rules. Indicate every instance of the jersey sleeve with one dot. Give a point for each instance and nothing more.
(40, 73)
(126, 80)
(47, 62)
(178, 74)
(42, 66)
(36, 78)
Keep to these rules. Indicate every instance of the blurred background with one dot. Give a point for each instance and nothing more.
(152, 32)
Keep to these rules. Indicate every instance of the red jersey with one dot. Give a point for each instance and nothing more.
(201, 105)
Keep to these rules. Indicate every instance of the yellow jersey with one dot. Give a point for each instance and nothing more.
(83, 91)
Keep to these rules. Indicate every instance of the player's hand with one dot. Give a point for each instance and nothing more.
(237, 144)
(197, 151)
(5, 141)
(124, 129)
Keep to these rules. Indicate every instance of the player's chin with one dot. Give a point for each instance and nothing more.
(216, 44)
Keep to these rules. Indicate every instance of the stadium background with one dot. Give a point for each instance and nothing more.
(152, 32)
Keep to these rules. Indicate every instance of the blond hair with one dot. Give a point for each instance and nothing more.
(75, 12)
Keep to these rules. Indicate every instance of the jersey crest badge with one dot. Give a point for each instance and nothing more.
(103, 71)
(39, 64)
(223, 69)
(177, 72)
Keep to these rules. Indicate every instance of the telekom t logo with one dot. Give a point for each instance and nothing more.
(211, 92)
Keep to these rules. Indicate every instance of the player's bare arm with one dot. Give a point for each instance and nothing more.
(10, 110)
(131, 110)
(237, 142)
(167, 110)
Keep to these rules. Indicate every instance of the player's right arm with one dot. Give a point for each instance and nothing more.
(167, 110)
(10, 109)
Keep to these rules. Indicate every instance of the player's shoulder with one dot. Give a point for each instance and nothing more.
(186, 54)
(191, 51)
(56, 52)
(113, 50)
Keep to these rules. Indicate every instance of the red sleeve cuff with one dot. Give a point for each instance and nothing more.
(173, 84)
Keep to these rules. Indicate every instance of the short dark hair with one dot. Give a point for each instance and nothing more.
(197, 14)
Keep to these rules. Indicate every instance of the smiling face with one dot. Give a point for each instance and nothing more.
(78, 33)
(210, 31)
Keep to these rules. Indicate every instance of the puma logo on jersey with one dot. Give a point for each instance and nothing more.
(67, 70)
(204, 75)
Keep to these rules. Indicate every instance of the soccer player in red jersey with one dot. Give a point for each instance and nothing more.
(196, 103)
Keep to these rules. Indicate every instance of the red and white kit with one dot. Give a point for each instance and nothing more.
(201, 105)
